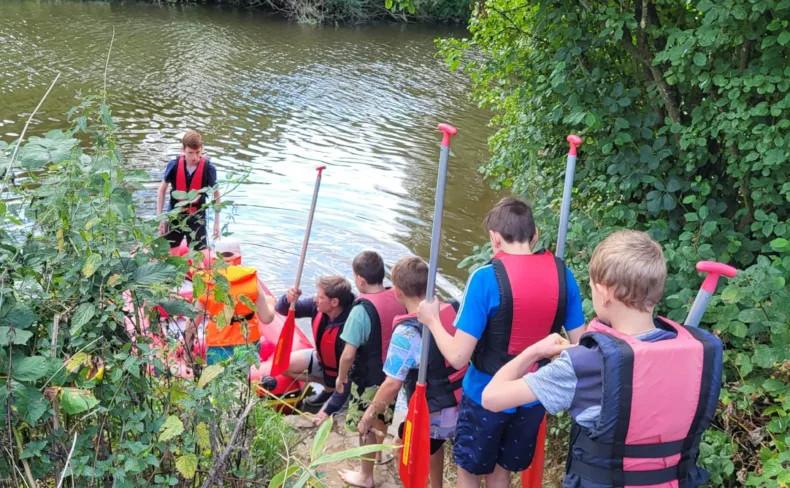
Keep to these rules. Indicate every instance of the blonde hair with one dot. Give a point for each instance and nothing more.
(632, 264)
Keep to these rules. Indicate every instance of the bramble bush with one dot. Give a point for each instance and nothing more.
(85, 392)
(684, 111)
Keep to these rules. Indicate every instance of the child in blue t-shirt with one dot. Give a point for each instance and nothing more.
(510, 303)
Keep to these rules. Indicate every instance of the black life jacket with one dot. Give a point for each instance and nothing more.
(443, 383)
(382, 308)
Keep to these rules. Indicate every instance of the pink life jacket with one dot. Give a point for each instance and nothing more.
(658, 399)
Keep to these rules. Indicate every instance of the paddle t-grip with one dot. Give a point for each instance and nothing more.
(449, 131)
(575, 141)
(708, 288)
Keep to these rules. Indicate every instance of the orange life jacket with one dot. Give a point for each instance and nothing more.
(243, 282)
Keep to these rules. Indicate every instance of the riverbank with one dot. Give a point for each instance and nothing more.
(348, 11)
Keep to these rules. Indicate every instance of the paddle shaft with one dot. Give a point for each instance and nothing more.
(436, 234)
(307, 231)
(565, 208)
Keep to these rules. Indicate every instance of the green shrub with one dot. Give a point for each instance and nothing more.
(683, 108)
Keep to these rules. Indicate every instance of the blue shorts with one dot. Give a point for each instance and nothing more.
(484, 439)
(217, 354)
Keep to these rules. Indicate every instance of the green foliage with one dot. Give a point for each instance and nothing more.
(80, 275)
(683, 110)
(308, 473)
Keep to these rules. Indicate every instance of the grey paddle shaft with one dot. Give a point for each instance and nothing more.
(698, 308)
(307, 232)
(436, 234)
(565, 209)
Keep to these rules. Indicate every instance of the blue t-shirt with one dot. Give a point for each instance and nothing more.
(480, 303)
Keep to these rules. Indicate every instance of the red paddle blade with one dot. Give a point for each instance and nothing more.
(282, 355)
(415, 460)
(533, 476)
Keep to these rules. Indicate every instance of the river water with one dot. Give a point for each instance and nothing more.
(277, 99)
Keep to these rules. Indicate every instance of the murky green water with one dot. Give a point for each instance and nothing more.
(280, 99)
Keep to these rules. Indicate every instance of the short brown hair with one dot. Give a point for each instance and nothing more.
(410, 276)
(337, 287)
(632, 263)
(512, 218)
(369, 265)
(192, 140)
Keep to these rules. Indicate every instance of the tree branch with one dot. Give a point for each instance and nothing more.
(218, 467)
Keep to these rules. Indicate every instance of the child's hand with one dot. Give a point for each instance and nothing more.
(340, 383)
(293, 294)
(551, 346)
(162, 228)
(428, 313)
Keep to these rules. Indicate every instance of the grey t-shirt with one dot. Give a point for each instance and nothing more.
(574, 381)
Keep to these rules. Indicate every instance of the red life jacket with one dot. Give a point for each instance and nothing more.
(196, 183)
(658, 399)
(532, 301)
(328, 344)
(444, 383)
(382, 308)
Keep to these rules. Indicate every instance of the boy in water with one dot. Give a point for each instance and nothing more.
(192, 170)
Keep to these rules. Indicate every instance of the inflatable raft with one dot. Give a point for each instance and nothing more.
(284, 393)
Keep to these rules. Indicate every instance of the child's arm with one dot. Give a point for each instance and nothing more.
(508, 389)
(574, 314)
(160, 205)
(216, 215)
(457, 349)
(385, 395)
(265, 304)
(346, 361)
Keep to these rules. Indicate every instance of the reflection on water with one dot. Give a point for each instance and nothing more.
(278, 99)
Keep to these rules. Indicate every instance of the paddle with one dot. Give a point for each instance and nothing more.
(416, 452)
(708, 288)
(282, 355)
(533, 476)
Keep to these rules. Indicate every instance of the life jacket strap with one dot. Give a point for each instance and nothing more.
(642, 451)
(618, 478)
(236, 319)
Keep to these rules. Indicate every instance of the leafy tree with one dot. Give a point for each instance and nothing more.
(683, 107)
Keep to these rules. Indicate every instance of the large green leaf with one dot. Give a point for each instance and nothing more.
(320, 439)
(172, 428)
(209, 374)
(349, 454)
(29, 368)
(30, 404)
(187, 465)
(76, 400)
(82, 316)
(18, 317)
(18, 336)
(280, 478)
(151, 273)
(202, 436)
(91, 264)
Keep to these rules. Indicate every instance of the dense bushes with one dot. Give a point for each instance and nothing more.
(684, 110)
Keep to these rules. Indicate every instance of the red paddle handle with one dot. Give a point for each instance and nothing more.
(320, 169)
(575, 141)
(449, 131)
(714, 270)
